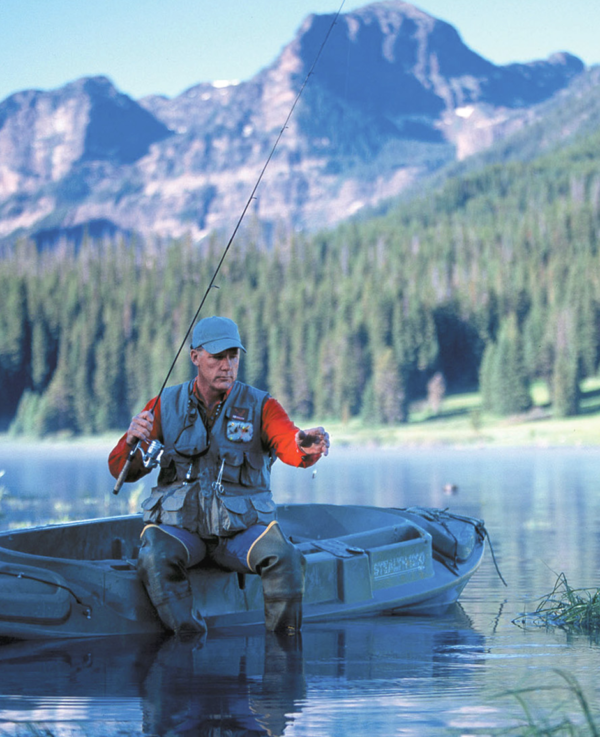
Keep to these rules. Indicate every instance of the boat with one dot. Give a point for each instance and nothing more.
(79, 579)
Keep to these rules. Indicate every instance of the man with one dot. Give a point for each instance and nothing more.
(213, 496)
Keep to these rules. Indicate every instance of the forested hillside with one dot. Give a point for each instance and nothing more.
(496, 277)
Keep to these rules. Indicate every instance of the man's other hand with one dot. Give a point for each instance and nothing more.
(313, 442)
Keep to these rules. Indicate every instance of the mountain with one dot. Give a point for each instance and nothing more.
(395, 96)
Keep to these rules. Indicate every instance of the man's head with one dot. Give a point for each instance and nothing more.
(215, 352)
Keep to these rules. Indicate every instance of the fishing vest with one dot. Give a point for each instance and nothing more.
(217, 482)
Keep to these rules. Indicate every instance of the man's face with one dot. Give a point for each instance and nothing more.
(216, 372)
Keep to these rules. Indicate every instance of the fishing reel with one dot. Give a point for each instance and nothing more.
(151, 457)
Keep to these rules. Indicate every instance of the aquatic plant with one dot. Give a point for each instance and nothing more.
(574, 610)
(570, 715)
(537, 726)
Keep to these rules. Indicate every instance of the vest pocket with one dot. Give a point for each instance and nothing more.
(176, 504)
(264, 506)
(252, 471)
(232, 468)
(235, 513)
(151, 507)
(240, 512)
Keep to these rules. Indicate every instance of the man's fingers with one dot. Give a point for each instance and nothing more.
(140, 427)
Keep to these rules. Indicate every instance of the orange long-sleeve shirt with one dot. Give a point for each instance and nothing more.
(278, 434)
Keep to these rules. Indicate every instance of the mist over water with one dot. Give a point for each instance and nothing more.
(386, 676)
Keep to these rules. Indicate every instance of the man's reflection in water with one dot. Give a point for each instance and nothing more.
(220, 690)
(251, 684)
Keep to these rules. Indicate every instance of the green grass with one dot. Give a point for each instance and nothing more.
(461, 421)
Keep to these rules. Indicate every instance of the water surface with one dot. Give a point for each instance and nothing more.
(378, 677)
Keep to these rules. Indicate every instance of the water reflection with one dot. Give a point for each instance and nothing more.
(239, 686)
(252, 684)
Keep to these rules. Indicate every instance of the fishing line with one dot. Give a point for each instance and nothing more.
(134, 450)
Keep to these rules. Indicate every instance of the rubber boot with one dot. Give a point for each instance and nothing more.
(281, 567)
(162, 568)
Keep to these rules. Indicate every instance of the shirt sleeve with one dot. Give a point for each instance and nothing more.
(279, 434)
(119, 454)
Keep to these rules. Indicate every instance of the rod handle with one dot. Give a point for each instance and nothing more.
(125, 469)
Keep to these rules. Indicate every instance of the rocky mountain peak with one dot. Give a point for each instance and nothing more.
(392, 57)
(395, 95)
(43, 135)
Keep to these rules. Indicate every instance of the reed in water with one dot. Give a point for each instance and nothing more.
(573, 610)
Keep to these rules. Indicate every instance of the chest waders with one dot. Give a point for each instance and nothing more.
(208, 498)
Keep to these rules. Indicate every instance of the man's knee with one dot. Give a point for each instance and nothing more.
(160, 554)
(273, 555)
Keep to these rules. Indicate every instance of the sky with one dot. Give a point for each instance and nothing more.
(166, 46)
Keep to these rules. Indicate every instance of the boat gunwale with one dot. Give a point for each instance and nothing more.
(396, 521)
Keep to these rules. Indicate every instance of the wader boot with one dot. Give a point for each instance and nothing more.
(281, 568)
(162, 568)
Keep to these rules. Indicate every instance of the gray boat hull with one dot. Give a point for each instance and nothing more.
(80, 580)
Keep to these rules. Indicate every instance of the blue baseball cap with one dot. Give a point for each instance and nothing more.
(216, 334)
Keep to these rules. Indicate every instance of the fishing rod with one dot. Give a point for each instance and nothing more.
(211, 285)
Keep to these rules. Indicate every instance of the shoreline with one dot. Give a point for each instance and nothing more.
(575, 433)
(460, 423)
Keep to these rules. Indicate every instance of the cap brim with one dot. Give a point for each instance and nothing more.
(222, 344)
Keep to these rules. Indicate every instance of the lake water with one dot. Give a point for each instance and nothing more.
(384, 677)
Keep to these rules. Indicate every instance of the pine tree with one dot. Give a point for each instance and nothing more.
(14, 343)
(56, 408)
(110, 392)
(385, 399)
(509, 381)
(43, 353)
(565, 378)
(565, 385)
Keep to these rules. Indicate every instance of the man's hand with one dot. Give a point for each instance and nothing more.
(140, 428)
(313, 442)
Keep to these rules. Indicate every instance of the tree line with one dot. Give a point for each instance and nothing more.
(491, 281)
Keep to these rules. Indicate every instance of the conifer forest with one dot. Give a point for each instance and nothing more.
(492, 280)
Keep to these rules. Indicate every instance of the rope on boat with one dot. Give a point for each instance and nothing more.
(438, 515)
(489, 539)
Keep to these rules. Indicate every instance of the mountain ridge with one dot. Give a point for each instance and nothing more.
(409, 98)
